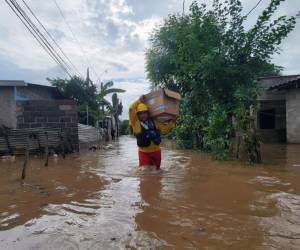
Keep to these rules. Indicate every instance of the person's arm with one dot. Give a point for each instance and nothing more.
(164, 128)
(133, 118)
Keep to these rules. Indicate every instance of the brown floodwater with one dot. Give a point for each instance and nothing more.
(100, 200)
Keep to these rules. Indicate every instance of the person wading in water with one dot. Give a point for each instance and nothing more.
(148, 133)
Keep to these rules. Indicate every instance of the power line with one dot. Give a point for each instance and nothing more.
(32, 29)
(32, 13)
(74, 36)
(68, 25)
(30, 26)
(38, 35)
(29, 29)
(41, 36)
(254, 8)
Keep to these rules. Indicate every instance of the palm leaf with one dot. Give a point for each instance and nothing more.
(114, 90)
(105, 103)
(107, 85)
(100, 96)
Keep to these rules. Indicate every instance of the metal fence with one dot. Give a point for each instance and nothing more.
(89, 136)
(15, 141)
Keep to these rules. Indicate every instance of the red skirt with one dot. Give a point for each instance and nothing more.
(150, 159)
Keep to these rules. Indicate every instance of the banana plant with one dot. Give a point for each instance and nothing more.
(117, 110)
(106, 89)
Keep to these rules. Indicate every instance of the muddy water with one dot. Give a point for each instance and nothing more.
(99, 200)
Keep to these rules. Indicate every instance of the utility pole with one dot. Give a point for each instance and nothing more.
(88, 79)
(183, 3)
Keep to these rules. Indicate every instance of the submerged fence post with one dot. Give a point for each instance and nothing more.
(5, 133)
(37, 137)
(70, 145)
(26, 159)
(62, 144)
(46, 149)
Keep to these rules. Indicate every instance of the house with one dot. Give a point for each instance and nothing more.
(12, 92)
(25, 105)
(278, 119)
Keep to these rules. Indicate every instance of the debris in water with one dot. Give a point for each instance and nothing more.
(109, 146)
(4, 157)
(8, 157)
(200, 230)
(93, 148)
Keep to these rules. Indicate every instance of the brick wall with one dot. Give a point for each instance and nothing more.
(7, 107)
(50, 113)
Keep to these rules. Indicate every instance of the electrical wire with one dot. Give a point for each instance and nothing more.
(254, 8)
(51, 37)
(38, 35)
(74, 36)
(41, 36)
(12, 4)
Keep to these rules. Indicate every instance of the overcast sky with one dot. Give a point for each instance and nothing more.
(113, 35)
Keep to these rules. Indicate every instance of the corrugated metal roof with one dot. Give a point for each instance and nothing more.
(278, 82)
(12, 83)
(20, 83)
(41, 85)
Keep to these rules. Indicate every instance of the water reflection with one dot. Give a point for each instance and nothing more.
(100, 200)
(62, 183)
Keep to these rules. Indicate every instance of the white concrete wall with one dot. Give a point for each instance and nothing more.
(293, 116)
(7, 107)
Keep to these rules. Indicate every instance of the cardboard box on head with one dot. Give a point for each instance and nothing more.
(163, 104)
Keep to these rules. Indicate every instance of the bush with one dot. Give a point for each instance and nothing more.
(125, 128)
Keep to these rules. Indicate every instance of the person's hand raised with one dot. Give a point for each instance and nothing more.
(143, 98)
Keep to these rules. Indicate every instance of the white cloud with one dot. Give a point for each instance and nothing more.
(134, 89)
(107, 38)
(113, 35)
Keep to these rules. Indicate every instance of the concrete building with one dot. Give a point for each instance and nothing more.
(26, 105)
(278, 119)
(12, 92)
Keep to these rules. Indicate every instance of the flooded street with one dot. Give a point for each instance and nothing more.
(99, 200)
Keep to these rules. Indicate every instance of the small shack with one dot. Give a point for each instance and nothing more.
(278, 119)
(29, 106)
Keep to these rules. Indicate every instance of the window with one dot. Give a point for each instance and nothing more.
(267, 119)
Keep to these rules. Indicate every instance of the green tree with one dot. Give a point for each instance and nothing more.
(125, 128)
(214, 62)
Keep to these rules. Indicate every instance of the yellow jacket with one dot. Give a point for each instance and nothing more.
(163, 128)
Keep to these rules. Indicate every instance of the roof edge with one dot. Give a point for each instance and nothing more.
(281, 76)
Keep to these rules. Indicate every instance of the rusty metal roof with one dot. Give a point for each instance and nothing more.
(279, 82)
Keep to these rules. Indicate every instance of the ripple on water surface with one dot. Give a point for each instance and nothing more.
(102, 200)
